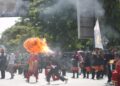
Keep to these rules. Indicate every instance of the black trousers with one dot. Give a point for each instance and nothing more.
(93, 73)
(109, 74)
(2, 74)
(56, 73)
(98, 74)
(63, 72)
(75, 73)
(85, 73)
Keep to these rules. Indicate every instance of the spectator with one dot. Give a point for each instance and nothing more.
(11, 64)
(3, 63)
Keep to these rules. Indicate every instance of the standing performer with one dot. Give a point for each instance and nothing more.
(32, 67)
(109, 56)
(76, 62)
(86, 65)
(95, 64)
(101, 66)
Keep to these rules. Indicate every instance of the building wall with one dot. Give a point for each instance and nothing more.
(87, 27)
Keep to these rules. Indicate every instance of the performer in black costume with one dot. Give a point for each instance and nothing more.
(55, 71)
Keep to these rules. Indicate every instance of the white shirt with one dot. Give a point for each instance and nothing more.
(11, 59)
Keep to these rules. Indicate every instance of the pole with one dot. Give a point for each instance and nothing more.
(78, 17)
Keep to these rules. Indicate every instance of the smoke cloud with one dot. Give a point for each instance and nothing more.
(86, 7)
(6, 6)
(20, 7)
(110, 33)
(11, 8)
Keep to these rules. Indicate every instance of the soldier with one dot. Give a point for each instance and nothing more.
(96, 64)
(76, 60)
(87, 65)
(109, 56)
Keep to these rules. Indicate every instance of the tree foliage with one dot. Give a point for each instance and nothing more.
(14, 37)
(112, 15)
(60, 28)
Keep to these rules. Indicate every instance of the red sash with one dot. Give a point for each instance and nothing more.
(88, 69)
(75, 69)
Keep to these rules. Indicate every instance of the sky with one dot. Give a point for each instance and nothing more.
(7, 22)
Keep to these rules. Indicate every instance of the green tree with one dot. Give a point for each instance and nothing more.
(60, 28)
(14, 37)
(112, 15)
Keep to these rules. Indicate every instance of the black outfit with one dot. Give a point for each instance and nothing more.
(95, 62)
(87, 63)
(64, 65)
(109, 57)
(54, 71)
(100, 73)
(3, 64)
(63, 70)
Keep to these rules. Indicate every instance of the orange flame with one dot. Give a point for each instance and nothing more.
(36, 45)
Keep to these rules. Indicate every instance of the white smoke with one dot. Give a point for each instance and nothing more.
(21, 7)
(89, 7)
(110, 33)
(60, 5)
(6, 6)
(12, 8)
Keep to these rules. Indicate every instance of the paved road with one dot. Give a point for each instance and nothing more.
(19, 80)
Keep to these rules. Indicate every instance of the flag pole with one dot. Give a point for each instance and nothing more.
(78, 17)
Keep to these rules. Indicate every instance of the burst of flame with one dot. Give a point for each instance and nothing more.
(46, 48)
(37, 45)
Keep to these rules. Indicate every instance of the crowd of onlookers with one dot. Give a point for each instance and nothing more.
(99, 64)
(94, 64)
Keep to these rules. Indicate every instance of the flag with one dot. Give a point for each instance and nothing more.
(97, 36)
